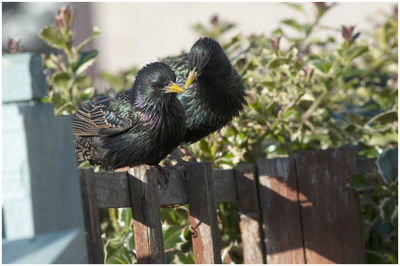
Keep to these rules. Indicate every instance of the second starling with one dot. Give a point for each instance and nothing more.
(214, 92)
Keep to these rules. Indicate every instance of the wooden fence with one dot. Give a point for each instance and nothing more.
(292, 210)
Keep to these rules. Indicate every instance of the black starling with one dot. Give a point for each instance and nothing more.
(214, 92)
(139, 126)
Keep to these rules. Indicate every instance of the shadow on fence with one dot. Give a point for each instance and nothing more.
(292, 210)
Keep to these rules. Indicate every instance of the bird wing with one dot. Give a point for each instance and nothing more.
(179, 64)
(96, 118)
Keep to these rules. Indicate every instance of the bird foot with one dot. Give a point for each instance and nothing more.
(180, 161)
(178, 158)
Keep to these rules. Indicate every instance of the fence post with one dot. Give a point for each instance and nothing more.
(203, 214)
(146, 215)
(92, 216)
(250, 217)
(280, 210)
(332, 217)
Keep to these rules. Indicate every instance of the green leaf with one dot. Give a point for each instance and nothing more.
(53, 37)
(126, 218)
(87, 94)
(268, 83)
(82, 82)
(296, 7)
(86, 59)
(291, 112)
(114, 80)
(55, 98)
(61, 80)
(381, 36)
(356, 51)
(226, 27)
(200, 29)
(185, 247)
(375, 257)
(294, 24)
(204, 146)
(186, 258)
(382, 138)
(322, 65)
(112, 246)
(121, 256)
(50, 62)
(171, 237)
(277, 62)
(187, 234)
(360, 183)
(387, 208)
(385, 117)
(233, 40)
(170, 255)
(387, 163)
(96, 32)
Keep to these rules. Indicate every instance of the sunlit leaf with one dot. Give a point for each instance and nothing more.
(357, 51)
(112, 246)
(293, 23)
(388, 164)
(322, 65)
(61, 80)
(53, 37)
(171, 237)
(297, 7)
(85, 60)
(277, 62)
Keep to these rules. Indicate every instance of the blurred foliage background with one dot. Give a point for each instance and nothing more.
(304, 92)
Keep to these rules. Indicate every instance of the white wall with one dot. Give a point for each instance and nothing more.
(139, 33)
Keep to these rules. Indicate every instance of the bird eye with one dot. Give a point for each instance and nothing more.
(154, 85)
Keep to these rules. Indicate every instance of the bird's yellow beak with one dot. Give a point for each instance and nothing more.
(191, 77)
(173, 87)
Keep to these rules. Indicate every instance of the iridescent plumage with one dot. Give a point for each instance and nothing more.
(217, 94)
(139, 126)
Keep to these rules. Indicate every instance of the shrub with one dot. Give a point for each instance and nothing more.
(312, 93)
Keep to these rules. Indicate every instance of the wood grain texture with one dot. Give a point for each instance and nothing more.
(91, 216)
(224, 185)
(175, 192)
(112, 188)
(146, 215)
(280, 210)
(203, 214)
(330, 211)
(250, 214)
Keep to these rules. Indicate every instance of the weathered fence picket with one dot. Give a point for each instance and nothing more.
(280, 211)
(145, 202)
(322, 177)
(92, 216)
(203, 214)
(292, 210)
(250, 215)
